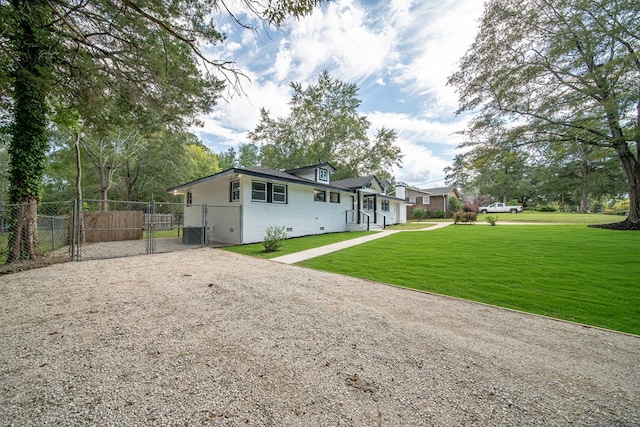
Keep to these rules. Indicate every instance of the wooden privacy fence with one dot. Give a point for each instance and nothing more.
(112, 226)
(160, 221)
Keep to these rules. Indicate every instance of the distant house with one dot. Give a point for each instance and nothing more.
(242, 202)
(431, 199)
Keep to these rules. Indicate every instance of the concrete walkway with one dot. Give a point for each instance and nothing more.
(322, 250)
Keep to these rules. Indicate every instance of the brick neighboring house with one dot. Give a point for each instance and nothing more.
(431, 199)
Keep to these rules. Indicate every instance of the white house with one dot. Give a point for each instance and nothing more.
(240, 203)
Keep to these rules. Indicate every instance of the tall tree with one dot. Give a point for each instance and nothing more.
(325, 126)
(141, 53)
(551, 68)
(458, 174)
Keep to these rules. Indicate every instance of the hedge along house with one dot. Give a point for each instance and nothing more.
(242, 202)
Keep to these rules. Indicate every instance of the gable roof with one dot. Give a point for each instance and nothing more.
(356, 183)
(320, 165)
(266, 173)
(440, 191)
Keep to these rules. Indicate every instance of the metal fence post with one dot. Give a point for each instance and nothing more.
(204, 224)
(150, 225)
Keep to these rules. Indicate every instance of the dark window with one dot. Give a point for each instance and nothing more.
(189, 198)
(235, 191)
(368, 203)
(258, 191)
(279, 193)
(334, 197)
(385, 205)
(319, 196)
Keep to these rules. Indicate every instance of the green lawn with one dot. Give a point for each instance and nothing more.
(554, 217)
(533, 216)
(414, 225)
(569, 272)
(297, 244)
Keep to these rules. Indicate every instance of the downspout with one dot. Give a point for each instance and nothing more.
(358, 205)
(445, 205)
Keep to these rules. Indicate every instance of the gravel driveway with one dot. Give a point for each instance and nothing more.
(207, 337)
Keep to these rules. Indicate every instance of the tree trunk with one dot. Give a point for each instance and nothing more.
(104, 188)
(631, 168)
(79, 188)
(583, 186)
(29, 143)
(24, 233)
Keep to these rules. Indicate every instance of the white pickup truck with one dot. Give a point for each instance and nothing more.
(499, 207)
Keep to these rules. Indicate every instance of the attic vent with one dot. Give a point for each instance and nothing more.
(321, 228)
(289, 229)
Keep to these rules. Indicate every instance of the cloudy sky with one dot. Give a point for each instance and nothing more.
(398, 52)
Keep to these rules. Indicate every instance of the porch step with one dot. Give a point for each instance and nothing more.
(363, 227)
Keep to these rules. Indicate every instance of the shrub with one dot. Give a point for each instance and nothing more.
(491, 220)
(620, 207)
(454, 204)
(470, 207)
(438, 214)
(274, 238)
(419, 212)
(546, 209)
(465, 217)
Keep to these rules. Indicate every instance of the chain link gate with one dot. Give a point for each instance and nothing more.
(113, 229)
(95, 229)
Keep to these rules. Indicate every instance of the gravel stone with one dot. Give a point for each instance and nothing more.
(208, 337)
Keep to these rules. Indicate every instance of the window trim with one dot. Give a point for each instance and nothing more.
(323, 175)
(412, 199)
(235, 192)
(316, 193)
(368, 204)
(426, 200)
(273, 193)
(188, 198)
(334, 193)
(384, 205)
(253, 191)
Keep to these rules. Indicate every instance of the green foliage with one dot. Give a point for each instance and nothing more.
(465, 217)
(620, 207)
(419, 212)
(274, 238)
(557, 74)
(546, 209)
(455, 204)
(325, 126)
(491, 219)
(99, 59)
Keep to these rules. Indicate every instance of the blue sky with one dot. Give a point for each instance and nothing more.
(398, 52)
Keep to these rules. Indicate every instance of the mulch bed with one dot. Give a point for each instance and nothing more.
(623, 226)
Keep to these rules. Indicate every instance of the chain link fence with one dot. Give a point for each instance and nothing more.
(51, 242)
(117, 229)
(95, 229)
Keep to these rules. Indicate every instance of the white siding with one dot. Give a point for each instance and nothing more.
(223, 216)
(301, 214)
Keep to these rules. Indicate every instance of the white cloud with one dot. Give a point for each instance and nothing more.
(415, 137)
(341, 38)
(434, 39)
(398, 52)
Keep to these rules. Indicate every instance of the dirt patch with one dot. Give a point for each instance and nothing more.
(208, 337)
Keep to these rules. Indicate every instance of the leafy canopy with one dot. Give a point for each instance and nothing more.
(324, 126)
(558, 72)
